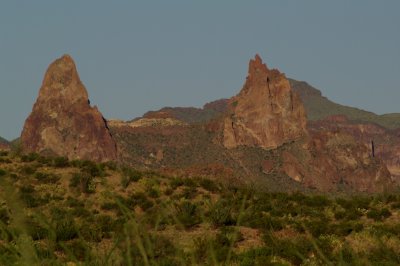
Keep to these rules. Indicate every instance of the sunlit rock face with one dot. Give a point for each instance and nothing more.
(266, 113)
(62, 121)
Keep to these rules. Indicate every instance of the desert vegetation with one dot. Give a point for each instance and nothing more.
(55, 211)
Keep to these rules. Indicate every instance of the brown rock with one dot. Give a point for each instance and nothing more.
(62, 121)
(267, 166)
(337, 159)
(386, 141)
(266, 113)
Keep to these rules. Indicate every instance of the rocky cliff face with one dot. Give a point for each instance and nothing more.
(386, 141)
(266, 113)
(62, 121)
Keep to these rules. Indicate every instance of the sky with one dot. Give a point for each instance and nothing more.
(136, 56)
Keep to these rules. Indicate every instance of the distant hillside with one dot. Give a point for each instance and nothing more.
(319, 107)
(191, 115)
(4, 144)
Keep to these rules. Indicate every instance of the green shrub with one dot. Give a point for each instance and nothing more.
(77, 249)
(176, 182)
(187, 214)
(189, 182)
(2, 172)
(72, 202)
(28, 169)
(208, 185)
(108, 206)
(26, 158)
(345, 228)
(90, 232)
(153, 192)
(84, 182)
(130, 175)
(140, 199)
(189, 192)
(65, 230)
(80, 211)
(4, 217)
(221, 213)
(36, 231)
(60, 162)
(295, 249)
(379, 215)
(47, 178)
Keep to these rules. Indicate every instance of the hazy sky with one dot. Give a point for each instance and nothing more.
(135, 56)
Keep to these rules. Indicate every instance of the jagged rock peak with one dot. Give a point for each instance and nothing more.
(62, 121)
(62, 81)
(266, 112)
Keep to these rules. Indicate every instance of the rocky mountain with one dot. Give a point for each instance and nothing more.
(319, 107)
(259, 135)
(62, 121)
(266, 113)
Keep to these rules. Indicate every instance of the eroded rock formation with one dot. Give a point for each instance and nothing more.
(266, 113)
(62, 121)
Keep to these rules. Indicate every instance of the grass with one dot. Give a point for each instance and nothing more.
(57, 212)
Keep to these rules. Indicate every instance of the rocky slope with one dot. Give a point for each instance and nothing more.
(62, 121)
(386, 142)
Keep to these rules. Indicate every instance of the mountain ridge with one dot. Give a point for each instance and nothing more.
(319, 107)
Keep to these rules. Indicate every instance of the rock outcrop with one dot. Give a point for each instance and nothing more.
(386, 141)
(266, 113)
(62, 121)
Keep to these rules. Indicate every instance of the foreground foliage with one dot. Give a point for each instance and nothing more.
(54, 211)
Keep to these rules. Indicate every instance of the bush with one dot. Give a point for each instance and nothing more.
(36, 231)
(176, 182)
(108, 206)
(347, 227)
(65, 230)
(77, 249)
(26, 158)
(72, 202)
(189, 192)
(221, 213)
(379, 215)
(187, 214)
(208, 185)
(2, 172)
(295, 249)
(129, 175)
(60, 162)
(139, 199)
(84, 182)
(89, 167)
(47, 178)
(153, 192)
(28, 169)
(4, 217)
